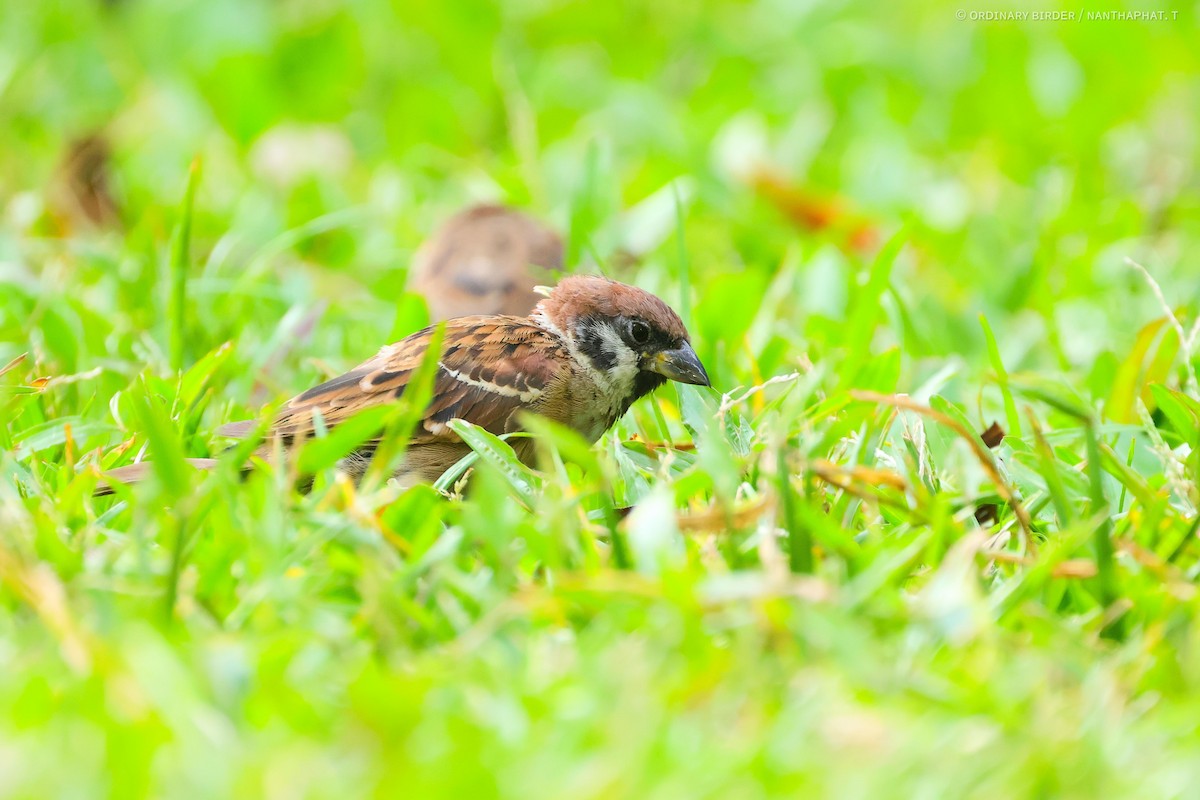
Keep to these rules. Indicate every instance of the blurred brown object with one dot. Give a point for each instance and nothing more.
(486, 260)
(993, 436)
(988, 513)
(815, 212)
(83, 185)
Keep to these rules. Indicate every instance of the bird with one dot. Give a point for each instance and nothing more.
(81, 192)
(486, 259)
(587, 352)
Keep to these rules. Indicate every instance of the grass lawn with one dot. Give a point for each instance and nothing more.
(887, 226)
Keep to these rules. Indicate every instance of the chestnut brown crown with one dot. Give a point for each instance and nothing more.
(578, 297)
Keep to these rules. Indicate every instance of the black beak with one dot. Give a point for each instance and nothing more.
(681, 364)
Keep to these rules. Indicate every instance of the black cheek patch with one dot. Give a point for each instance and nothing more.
(591, 344)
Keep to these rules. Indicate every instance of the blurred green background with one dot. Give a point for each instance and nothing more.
(1030, 158)
(747, 161)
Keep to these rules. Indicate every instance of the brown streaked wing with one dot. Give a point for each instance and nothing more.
(490, 367)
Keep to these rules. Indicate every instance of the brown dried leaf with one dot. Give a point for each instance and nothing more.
(993, 435)
(715, 519)
(986, 514)
(815, 212)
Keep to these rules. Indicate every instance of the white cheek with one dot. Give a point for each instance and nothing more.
(623, 372)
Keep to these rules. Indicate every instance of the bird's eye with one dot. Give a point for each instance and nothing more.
(639, 332)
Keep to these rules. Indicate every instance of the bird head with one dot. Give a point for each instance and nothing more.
(632, 341)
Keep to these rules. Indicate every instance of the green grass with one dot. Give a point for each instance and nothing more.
(803, 603)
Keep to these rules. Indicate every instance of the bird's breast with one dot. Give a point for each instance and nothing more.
(585, 405)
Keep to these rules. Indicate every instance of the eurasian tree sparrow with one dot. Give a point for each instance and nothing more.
(486, 260)
(586, 353)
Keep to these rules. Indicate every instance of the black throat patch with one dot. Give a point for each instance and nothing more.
(643, 384)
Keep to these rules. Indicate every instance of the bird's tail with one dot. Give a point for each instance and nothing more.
(138, 472)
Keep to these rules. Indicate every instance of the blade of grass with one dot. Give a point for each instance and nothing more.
(409, 412)
(181, 243)
(166, 448)
(800, 542)
(860, 327)
(685, 271)
(1054, 484)
(499, 454)
(1131, 482)
(1106, 579)
(11, 365)
(323, 452)
(1010, 407)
